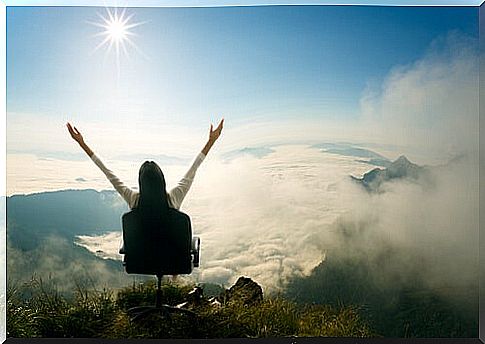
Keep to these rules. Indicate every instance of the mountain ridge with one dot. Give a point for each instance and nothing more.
(399, 169)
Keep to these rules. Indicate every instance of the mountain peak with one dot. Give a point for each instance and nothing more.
(402, 160)
(398, 169)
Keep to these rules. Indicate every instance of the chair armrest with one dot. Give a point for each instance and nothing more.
(195, 246)
(195, 250)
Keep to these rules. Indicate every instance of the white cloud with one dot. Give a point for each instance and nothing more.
(431, 105)
(104, 246)
(433, 229)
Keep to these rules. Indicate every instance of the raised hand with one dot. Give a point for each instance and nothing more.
(214, 134)
(75, 134)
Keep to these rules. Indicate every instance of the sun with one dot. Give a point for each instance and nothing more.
(116, 32)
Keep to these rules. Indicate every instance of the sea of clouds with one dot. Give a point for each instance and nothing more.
(258, 216)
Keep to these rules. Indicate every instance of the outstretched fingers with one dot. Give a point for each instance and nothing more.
(219, 127)
(75, 134)
(215, 133)
(69, 127)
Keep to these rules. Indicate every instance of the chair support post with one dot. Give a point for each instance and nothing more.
(158, 300)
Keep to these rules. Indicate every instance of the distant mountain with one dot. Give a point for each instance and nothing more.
(401, 168)
(257, 152)
(41, 230)
(161, 159)
(65, 213)
(347, 149)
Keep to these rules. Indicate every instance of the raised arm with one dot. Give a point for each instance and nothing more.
(128, 195)
(177, 194)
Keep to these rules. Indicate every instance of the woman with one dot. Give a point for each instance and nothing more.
(152, 200)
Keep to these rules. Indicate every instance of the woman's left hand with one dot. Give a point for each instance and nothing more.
(75, 134)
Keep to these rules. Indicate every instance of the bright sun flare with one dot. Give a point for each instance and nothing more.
(116, 32)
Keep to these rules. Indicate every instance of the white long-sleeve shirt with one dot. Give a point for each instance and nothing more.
(175, 195)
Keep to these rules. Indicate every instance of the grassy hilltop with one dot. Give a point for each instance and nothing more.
(232, 313)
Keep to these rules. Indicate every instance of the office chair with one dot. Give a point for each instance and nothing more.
(170, 250)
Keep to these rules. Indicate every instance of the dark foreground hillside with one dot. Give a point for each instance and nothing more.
(240, 311)
(400, 309)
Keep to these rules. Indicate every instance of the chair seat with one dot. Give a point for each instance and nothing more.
(195, 247)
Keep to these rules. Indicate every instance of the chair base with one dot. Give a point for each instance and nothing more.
(138, 313)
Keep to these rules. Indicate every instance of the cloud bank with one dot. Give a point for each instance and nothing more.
(257, 216)
(431, 105)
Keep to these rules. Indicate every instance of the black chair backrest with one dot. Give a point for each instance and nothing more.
(160, 251)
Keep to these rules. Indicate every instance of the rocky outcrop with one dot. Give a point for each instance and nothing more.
(245, 291)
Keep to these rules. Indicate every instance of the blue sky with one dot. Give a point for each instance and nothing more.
(197, 64)
(249, 61)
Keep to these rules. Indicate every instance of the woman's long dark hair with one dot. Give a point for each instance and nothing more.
(153, 203)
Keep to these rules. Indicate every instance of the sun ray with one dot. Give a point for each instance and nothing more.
(122, 16)
(111, 42)
(96, 24)
(130, 41)
(101, 44)
(98, 34)
(135, 25)
(125, 51)
(106, 20)
(111, 18)
(127, 19)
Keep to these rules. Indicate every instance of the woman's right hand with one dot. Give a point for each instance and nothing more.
(75, 134)
(215, 133)
(213, 136)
